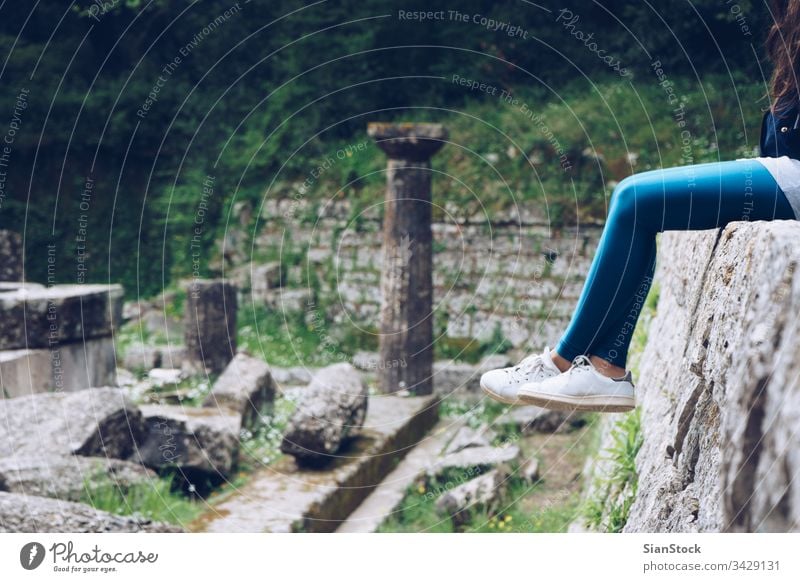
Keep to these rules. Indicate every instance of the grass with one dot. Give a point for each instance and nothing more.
(156, 499)
(615, 490)
(549, 505)
(262, 446)
(614, 487)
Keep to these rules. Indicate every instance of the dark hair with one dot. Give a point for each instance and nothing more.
(783, 48)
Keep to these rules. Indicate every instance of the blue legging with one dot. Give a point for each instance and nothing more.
(695, 197)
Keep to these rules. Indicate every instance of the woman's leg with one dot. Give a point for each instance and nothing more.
(695, 197)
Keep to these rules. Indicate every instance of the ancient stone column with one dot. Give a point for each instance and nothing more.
(406, 340)
(210, 321)
(10, 256)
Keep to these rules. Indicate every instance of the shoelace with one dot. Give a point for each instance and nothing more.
(531, 364)
(581, 363)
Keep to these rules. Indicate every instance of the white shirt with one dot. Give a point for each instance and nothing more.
(786, 172)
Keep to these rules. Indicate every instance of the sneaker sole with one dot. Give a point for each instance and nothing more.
(497, 397)
(579, 403)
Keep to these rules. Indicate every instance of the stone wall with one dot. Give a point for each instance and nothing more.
(719, 388)
(513, 270)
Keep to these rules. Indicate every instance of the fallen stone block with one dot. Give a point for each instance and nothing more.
(145, 357)
(197, 441)
(96, 422)
(529, 470)
(449, 375)
(285, 496)
(245, 387)
(64, 367)
(165, 376)
(467, 437)
(329, 411)
(66, 477)
(32, 514)
(295, 376)
(532, 419)
(475, 457)
(40, 318)
(480, 492)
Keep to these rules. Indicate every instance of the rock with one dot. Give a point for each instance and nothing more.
(11, 253)
(265, 278)
(98, 422)
(6, 286)
(718, 392)
(532, 419)
(366, 360)
(164, 376)
(245, 387)
(483, 491)
(449, 375)
(288, 300)
(472, 457)
(466, 437)
(329, 411)
(31, 514)
(64, 367)
(494, 362)
(146, 357)
(65, 477)
(529, 470)
(197, 441)
(210, 326)
(42, 317)
(291, 376)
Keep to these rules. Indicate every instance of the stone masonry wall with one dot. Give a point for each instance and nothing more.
(719, 388)
(513, 271)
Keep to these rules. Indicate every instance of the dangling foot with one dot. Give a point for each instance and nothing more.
(502, 384)
(582, 387)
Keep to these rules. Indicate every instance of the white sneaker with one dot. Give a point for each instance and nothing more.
(502, 384)
(581, 387)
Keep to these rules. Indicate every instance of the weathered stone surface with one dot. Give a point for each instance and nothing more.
(64, 367)
(159, 377)
(532, 419)
(10, 256)
(147, 357)
(529, 470)
(245, 387)
(331, 409)
(41, 317)
(66, 477)
(264, 278)
(31, 514)
(467, 437)
(475, 457)
(449, 376)
(99, 422)
(482, 491)
(210, 326)
(287, 497)
(295, 376)
(718, 391)
(195, 440)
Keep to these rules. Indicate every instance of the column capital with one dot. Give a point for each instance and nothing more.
(408, 141)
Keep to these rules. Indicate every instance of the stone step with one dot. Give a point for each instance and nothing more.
(285, 498)
(386, 497)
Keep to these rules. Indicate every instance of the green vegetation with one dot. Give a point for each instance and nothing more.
(156, 499)
(162, 131)
(614, 491)
(613, 487)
